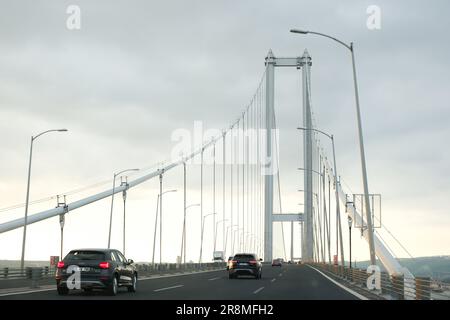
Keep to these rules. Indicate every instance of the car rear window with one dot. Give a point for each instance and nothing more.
(244, 257)
(85, 255)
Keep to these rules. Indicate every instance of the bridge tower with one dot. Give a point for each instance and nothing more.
(307, 254)
(270, 169)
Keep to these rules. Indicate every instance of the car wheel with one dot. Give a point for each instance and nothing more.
(133, 286)
(62, 290)
(113, 287)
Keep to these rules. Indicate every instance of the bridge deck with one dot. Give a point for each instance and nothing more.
(290, 282)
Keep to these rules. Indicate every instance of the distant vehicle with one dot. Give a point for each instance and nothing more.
(229, 262)
(277, 263)
(245, 264)
(218, 256)
(105, 269)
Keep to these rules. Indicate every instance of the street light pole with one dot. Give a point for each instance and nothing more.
(160, 218)
(226, 237)
(22, 259)
(361, 142)
(215, 233)
(202, 231)
(183, 236)
(124, 196)
(156, 223)
(339, 239)
(350, 221)
(112, 202)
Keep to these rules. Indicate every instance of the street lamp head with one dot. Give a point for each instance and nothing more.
(299, 31)
(350, 221)
(62, 130)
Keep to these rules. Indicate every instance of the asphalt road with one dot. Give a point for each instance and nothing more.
(289, 282)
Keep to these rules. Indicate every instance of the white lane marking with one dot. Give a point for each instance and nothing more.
(212, 279)
(273, 280)
(356, 294)
(168, 288)
(258, 290)
(25, 292)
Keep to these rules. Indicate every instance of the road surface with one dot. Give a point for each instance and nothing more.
(289, 282)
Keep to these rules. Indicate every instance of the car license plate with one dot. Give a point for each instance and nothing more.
(243, 264)
(85, 269)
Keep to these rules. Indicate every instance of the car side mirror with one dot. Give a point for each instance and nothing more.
(130, 261)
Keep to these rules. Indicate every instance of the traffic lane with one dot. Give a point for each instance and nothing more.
(145, 289)
(290, 282)
(209, 285)
(300, 282)
(221, 287)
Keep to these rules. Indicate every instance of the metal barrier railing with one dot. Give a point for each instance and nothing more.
(393, 286)
(39, 273)
(27, 273)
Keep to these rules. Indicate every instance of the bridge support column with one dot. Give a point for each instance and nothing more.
(307, 152)
(269, 163)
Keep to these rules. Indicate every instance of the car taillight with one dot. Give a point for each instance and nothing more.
(104, 265)
(60, 264)
(252, 261)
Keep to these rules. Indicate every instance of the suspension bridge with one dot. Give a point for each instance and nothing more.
(247, 202)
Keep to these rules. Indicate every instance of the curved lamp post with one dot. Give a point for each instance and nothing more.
(360, 135)
(156, 223)
(183, 236)
(22, 259)
(112, 202)
(203, 229)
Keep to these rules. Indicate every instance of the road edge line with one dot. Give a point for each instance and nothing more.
(14, 293)
(356, 294)
(25, 292)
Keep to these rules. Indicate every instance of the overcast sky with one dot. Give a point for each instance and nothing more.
(138, 70)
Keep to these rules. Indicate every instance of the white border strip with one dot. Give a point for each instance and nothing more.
(356, 294)
(25, 292)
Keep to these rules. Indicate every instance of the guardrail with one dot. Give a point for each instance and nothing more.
(33, 276)
(149, 269)
(27, 273)
(392, 286)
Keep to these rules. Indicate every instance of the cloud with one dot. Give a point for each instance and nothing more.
(137, 71)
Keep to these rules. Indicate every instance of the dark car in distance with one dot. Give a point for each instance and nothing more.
(277, 263)
(105, 269)
(245, 264)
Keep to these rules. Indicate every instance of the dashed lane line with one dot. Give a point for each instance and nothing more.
(258, 290)
(168, 288)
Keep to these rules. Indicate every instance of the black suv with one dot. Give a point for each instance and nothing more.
(245, 264)
(105, 269)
